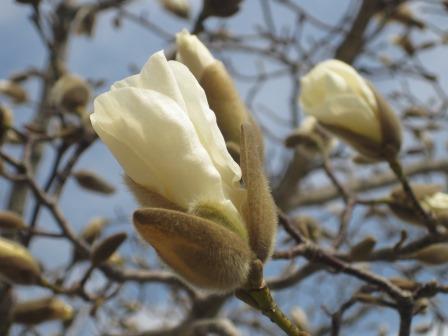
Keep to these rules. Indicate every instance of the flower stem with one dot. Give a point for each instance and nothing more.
(397, 168)
(262, 300)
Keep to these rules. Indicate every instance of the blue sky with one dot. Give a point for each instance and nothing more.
(109, 56)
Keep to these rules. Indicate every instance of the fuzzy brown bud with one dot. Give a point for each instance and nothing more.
(71, 93)
(102, 251)
(435, 254)
(92, 182)
(362, 249)
(41, 310)
(206, 254)
(11, 221)
(17, 266)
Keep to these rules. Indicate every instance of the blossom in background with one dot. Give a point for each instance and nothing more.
(161, 130)
(348, 106)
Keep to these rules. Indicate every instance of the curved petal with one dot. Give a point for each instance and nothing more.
(204, 121)
(155, 75)
(348, 112)
(193, 53)
(151, 136)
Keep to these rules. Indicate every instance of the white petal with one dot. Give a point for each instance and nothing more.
(356, 82)
(348, 112)
(193, 53)
(204, 121)
(155, 75)
(156, 144)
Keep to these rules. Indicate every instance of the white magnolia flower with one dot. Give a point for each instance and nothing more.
(161, 130)
(193, 53)
(340, 99)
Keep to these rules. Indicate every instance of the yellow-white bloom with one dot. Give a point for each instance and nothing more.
(193, 53)
(335, 94)
(161, 130)
(340, 99)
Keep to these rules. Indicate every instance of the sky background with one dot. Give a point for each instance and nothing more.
(112, 54)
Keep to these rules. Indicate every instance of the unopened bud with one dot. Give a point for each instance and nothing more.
(41, 310)
(435, 254)
(84, 22)
(11, 221)
(224, 100)
(106, 248)
(14, 91)
(93, 182)
(180, 8)
(221, 8)
(6, 121)
(94, 229)
(70, 92)
(363, 248)
(207, 255)
(405, 284)
(17, 265)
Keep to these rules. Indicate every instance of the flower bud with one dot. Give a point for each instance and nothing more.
(405, 284)
(260, 210)
(71, 93)
(11, 221)
(14, 91)
(204, 253)
(351, 108)
(221, 8)
(222, 95)
(93, 229)
(435, 254)
(93, 182)
(41, 310)
(193, 53)
(402, 206)
(180, 8)
(6, 121)
(104, 250)
(17, 266)
(362, 249)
